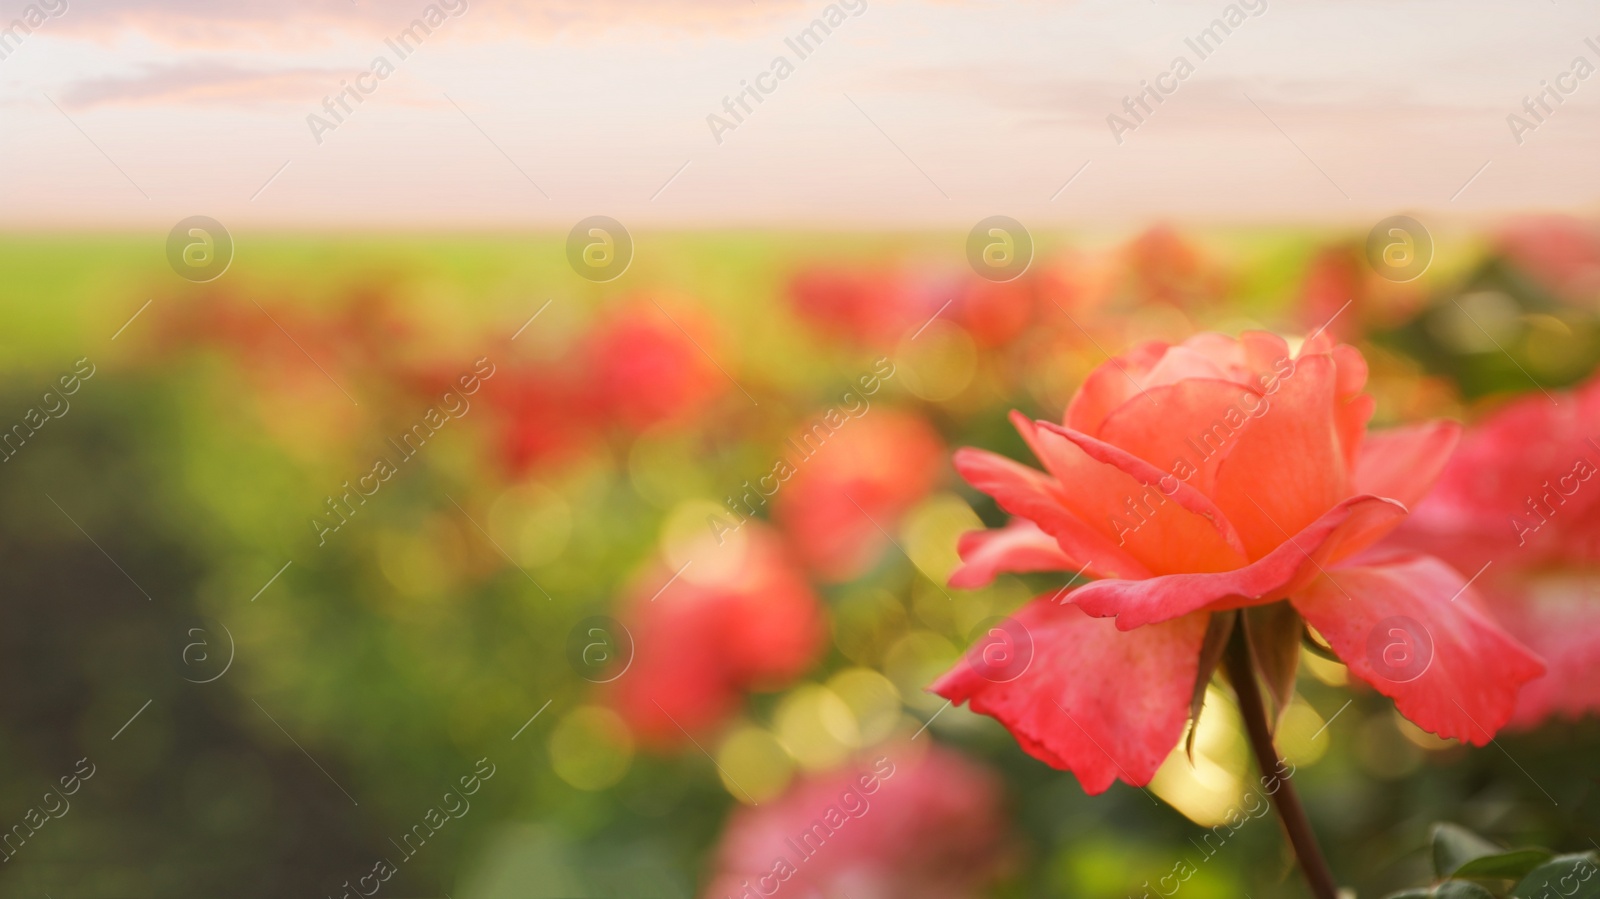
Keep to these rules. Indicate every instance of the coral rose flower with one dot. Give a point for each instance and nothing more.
(700, 645)
(905, 822)
(1216, 475)
(1520, 505)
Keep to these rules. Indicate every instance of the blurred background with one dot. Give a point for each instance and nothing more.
(503, 450)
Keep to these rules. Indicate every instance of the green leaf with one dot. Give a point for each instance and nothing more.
(1273, 632)
(1450, 889)
(1218, 630)
(1563, 877)
(1454, 846)
(1460, 889)
(1508, 865)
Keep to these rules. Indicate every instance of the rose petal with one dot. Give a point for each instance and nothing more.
(1352, 408)
(1381, 618)
(1019, 546)
(1027, 493)
(1351, 421)
(1345, 530)
(1225, 353)
(1402, 463)
(1192, 426)
(1266, 354)
(1288, 468)
(1110, 385)
(1112, 474)
(1352, 370)
(1319, 343)
(1102, 704)
(1182, 363)
(1245, 360)
(1252, 360)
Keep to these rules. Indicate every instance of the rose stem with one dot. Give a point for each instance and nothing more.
(1241, 672)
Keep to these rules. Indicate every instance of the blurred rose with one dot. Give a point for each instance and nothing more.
(370, 324)
(304, 368)
(1520, 496)
(904, 822)
(364, 333)
(1217, 475)
(879, 307)
(701, 644)
(1561, 253)
(865, 476)
(255, 338)
(1334, 295)
(540, 413)
(632, 370)
(997, 313)
(867, 308)
(1161, 266)
(1342, 296)
(642, 370)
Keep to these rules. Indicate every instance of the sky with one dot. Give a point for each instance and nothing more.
(906, 113)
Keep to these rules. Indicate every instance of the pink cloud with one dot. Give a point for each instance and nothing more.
(199, 22)
(203, 83)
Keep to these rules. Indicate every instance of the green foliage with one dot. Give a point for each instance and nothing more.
(1570, 876)
(1454, 846)
(1450, 889)
(1505, 864)
(1472, 867)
